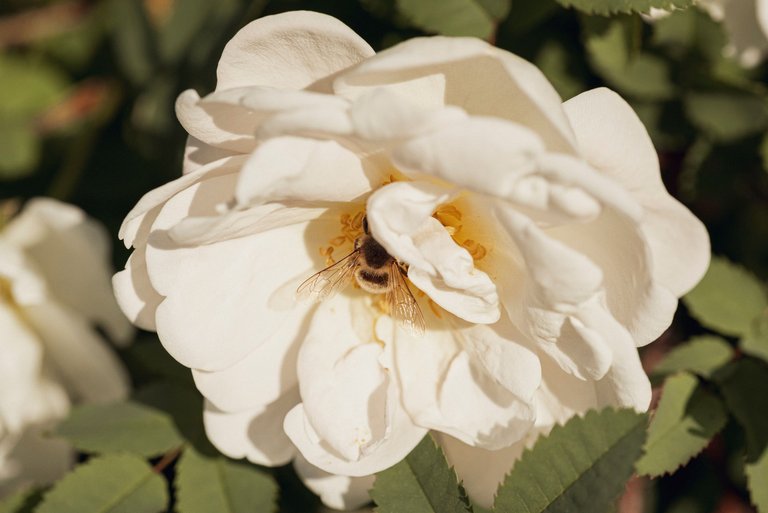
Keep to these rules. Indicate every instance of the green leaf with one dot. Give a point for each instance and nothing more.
(496, 9)
(28, 87)
(421, 483)
(134, 40)
(23, 501)
(186, 20)
(726, 116)
(118, 483)
(448, 17)
(19, 149)
(700, 355)
(743, 385)
(608, 7)
(148, 360)
(581, 466)
(755, 342)
(728, 299)
(555, 61)
(764, 151)
(686, 420)
(129, 427)
(613, 51)
(182, 403)
(757, 476)
(205, 484)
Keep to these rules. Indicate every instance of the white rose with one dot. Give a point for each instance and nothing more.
(54, 288)
(538, 238)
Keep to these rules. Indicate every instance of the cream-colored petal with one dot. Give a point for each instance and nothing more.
(35, 460)
(626, 384)
(294, 168)
(344, 387)
(336, 491)
(198, 154)
(383, 114)
(262, 376)
(138, 223)
(73, 253)
(544, 296)
(402, 437)
(244, 288)
(289, 50)
(486, 155)
(445, 388)
(255, 434)
(240, 222)
(88, 368)
(20, 368)
(134, 292)
(481, 471)
(218, 119)
(479, 78)
(502, 351)
(678, 241)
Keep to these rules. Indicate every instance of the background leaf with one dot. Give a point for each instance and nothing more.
(726, 116)
(118, 483)
(213, 483)
(421, 483)
(684, 423)
(448, 17)
(728, 299)
(607, 7)
(701, 355)
(19, 149)
(743, 385)
(755, 342)
(581, 466)
(129, 426)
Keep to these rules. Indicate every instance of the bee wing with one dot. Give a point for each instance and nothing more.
(331, 280)
(402, 305)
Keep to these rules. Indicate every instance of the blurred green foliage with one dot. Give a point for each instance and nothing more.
(87, 91)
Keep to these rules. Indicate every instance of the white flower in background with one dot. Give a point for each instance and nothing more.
(746, 26)
(54, 289)
(540, 246)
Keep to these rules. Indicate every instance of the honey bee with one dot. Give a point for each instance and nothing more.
(375, 271)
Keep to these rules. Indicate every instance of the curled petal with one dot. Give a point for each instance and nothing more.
(544, 298)
(138, 222)
(399, 216)
(293, 168)
(344, 388)
(475, 76)
(486, 155)
(254, 434)
(446, 388)
(290, 50)
(403, 437)
(134, 292)
(678, 241)
(336, 491)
